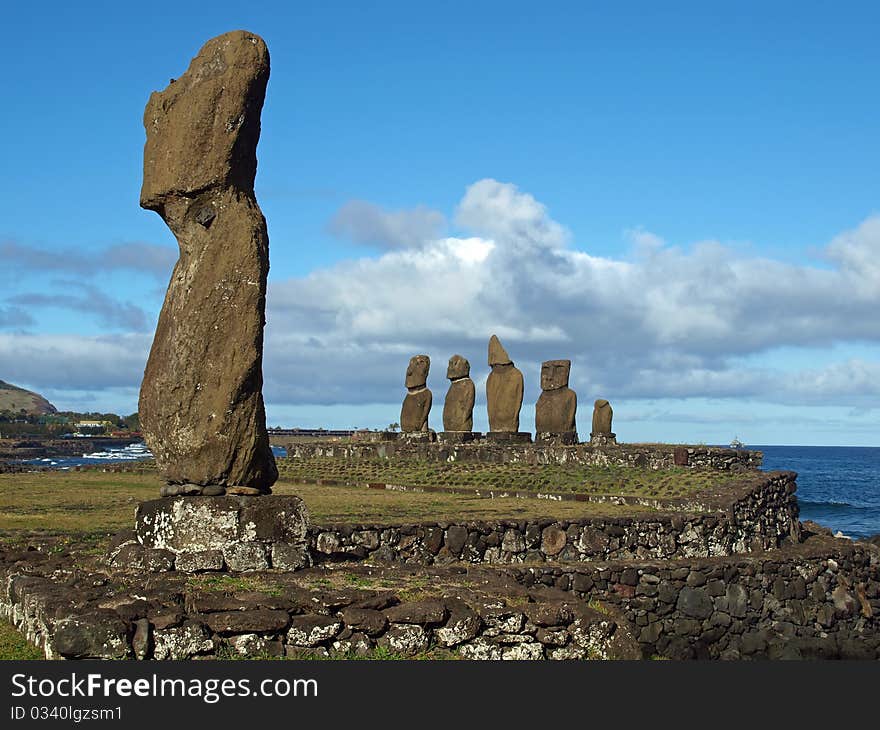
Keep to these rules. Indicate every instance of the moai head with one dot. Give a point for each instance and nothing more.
(554, 374)
(459, 367)
(417, 371)
(497, 354)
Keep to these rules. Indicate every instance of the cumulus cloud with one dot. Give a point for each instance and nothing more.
(49, 362)
(368, 224)
(858, 254)
(664, 321)
(148, 258)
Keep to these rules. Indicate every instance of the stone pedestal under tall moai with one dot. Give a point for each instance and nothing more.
(417, 404)
(201, 403)
(601, 434)
(504, 396)
(556, 409)
(458, 408)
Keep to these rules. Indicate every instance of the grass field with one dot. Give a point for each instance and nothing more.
(97, 503)
(675, 482)
(13, 645)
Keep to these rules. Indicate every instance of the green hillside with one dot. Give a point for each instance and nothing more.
(16, 400)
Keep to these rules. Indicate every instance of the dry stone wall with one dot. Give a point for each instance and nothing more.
(761, 518)
(820, 599)
(86, 618)
(644, 456)
(816, 599)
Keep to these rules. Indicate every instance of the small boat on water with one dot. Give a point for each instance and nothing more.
(737, 444)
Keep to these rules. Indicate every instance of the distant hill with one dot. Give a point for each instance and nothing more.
(15, 399)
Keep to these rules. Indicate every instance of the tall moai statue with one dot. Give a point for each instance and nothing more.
(556, 408)
(602, 415)
(417, 404)
(504, 390)
(458, 408)
(201, 403)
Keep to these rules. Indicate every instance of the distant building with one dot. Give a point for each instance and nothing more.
(94, 424)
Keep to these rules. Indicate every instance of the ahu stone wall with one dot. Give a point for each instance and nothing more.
(649, 456)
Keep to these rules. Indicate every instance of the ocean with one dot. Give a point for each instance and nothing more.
(838, 486)
(116, 455)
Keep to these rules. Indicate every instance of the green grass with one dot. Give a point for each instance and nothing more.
(93, 505)
(595, 480)
(13, 645)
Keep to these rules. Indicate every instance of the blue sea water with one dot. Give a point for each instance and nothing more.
(838, 486)
(116, 455)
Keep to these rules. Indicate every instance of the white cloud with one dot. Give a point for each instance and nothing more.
(858, 254)
(70, 362)
(665, 321)
(660, 322)
(499, 210)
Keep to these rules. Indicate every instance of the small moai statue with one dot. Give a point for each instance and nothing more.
(602, 414)
(557, 406)
(458, 409)
(504, 390)
(417, 404)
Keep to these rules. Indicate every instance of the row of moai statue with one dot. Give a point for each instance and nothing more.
(555, 410)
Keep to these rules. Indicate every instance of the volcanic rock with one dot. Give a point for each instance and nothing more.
(602, 415)
(557, 404)
(417, 404)
(458, 409)
(201, 404)
(504, 390)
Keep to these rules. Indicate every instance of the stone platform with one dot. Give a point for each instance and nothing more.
(564, 438)
(210, 533)
(509, 437)
(458, 437)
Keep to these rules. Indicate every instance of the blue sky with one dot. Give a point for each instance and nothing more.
(682, 199)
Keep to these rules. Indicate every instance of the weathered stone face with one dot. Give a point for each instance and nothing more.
(504, 390)
(458, 409)
(417, 371)
(602, 414)
(554, 374)
(201, 404)
(458, 367)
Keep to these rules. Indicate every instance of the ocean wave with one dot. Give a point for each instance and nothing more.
(837, 506)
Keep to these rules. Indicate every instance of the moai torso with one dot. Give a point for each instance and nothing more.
(504, 390)
(602, 415)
